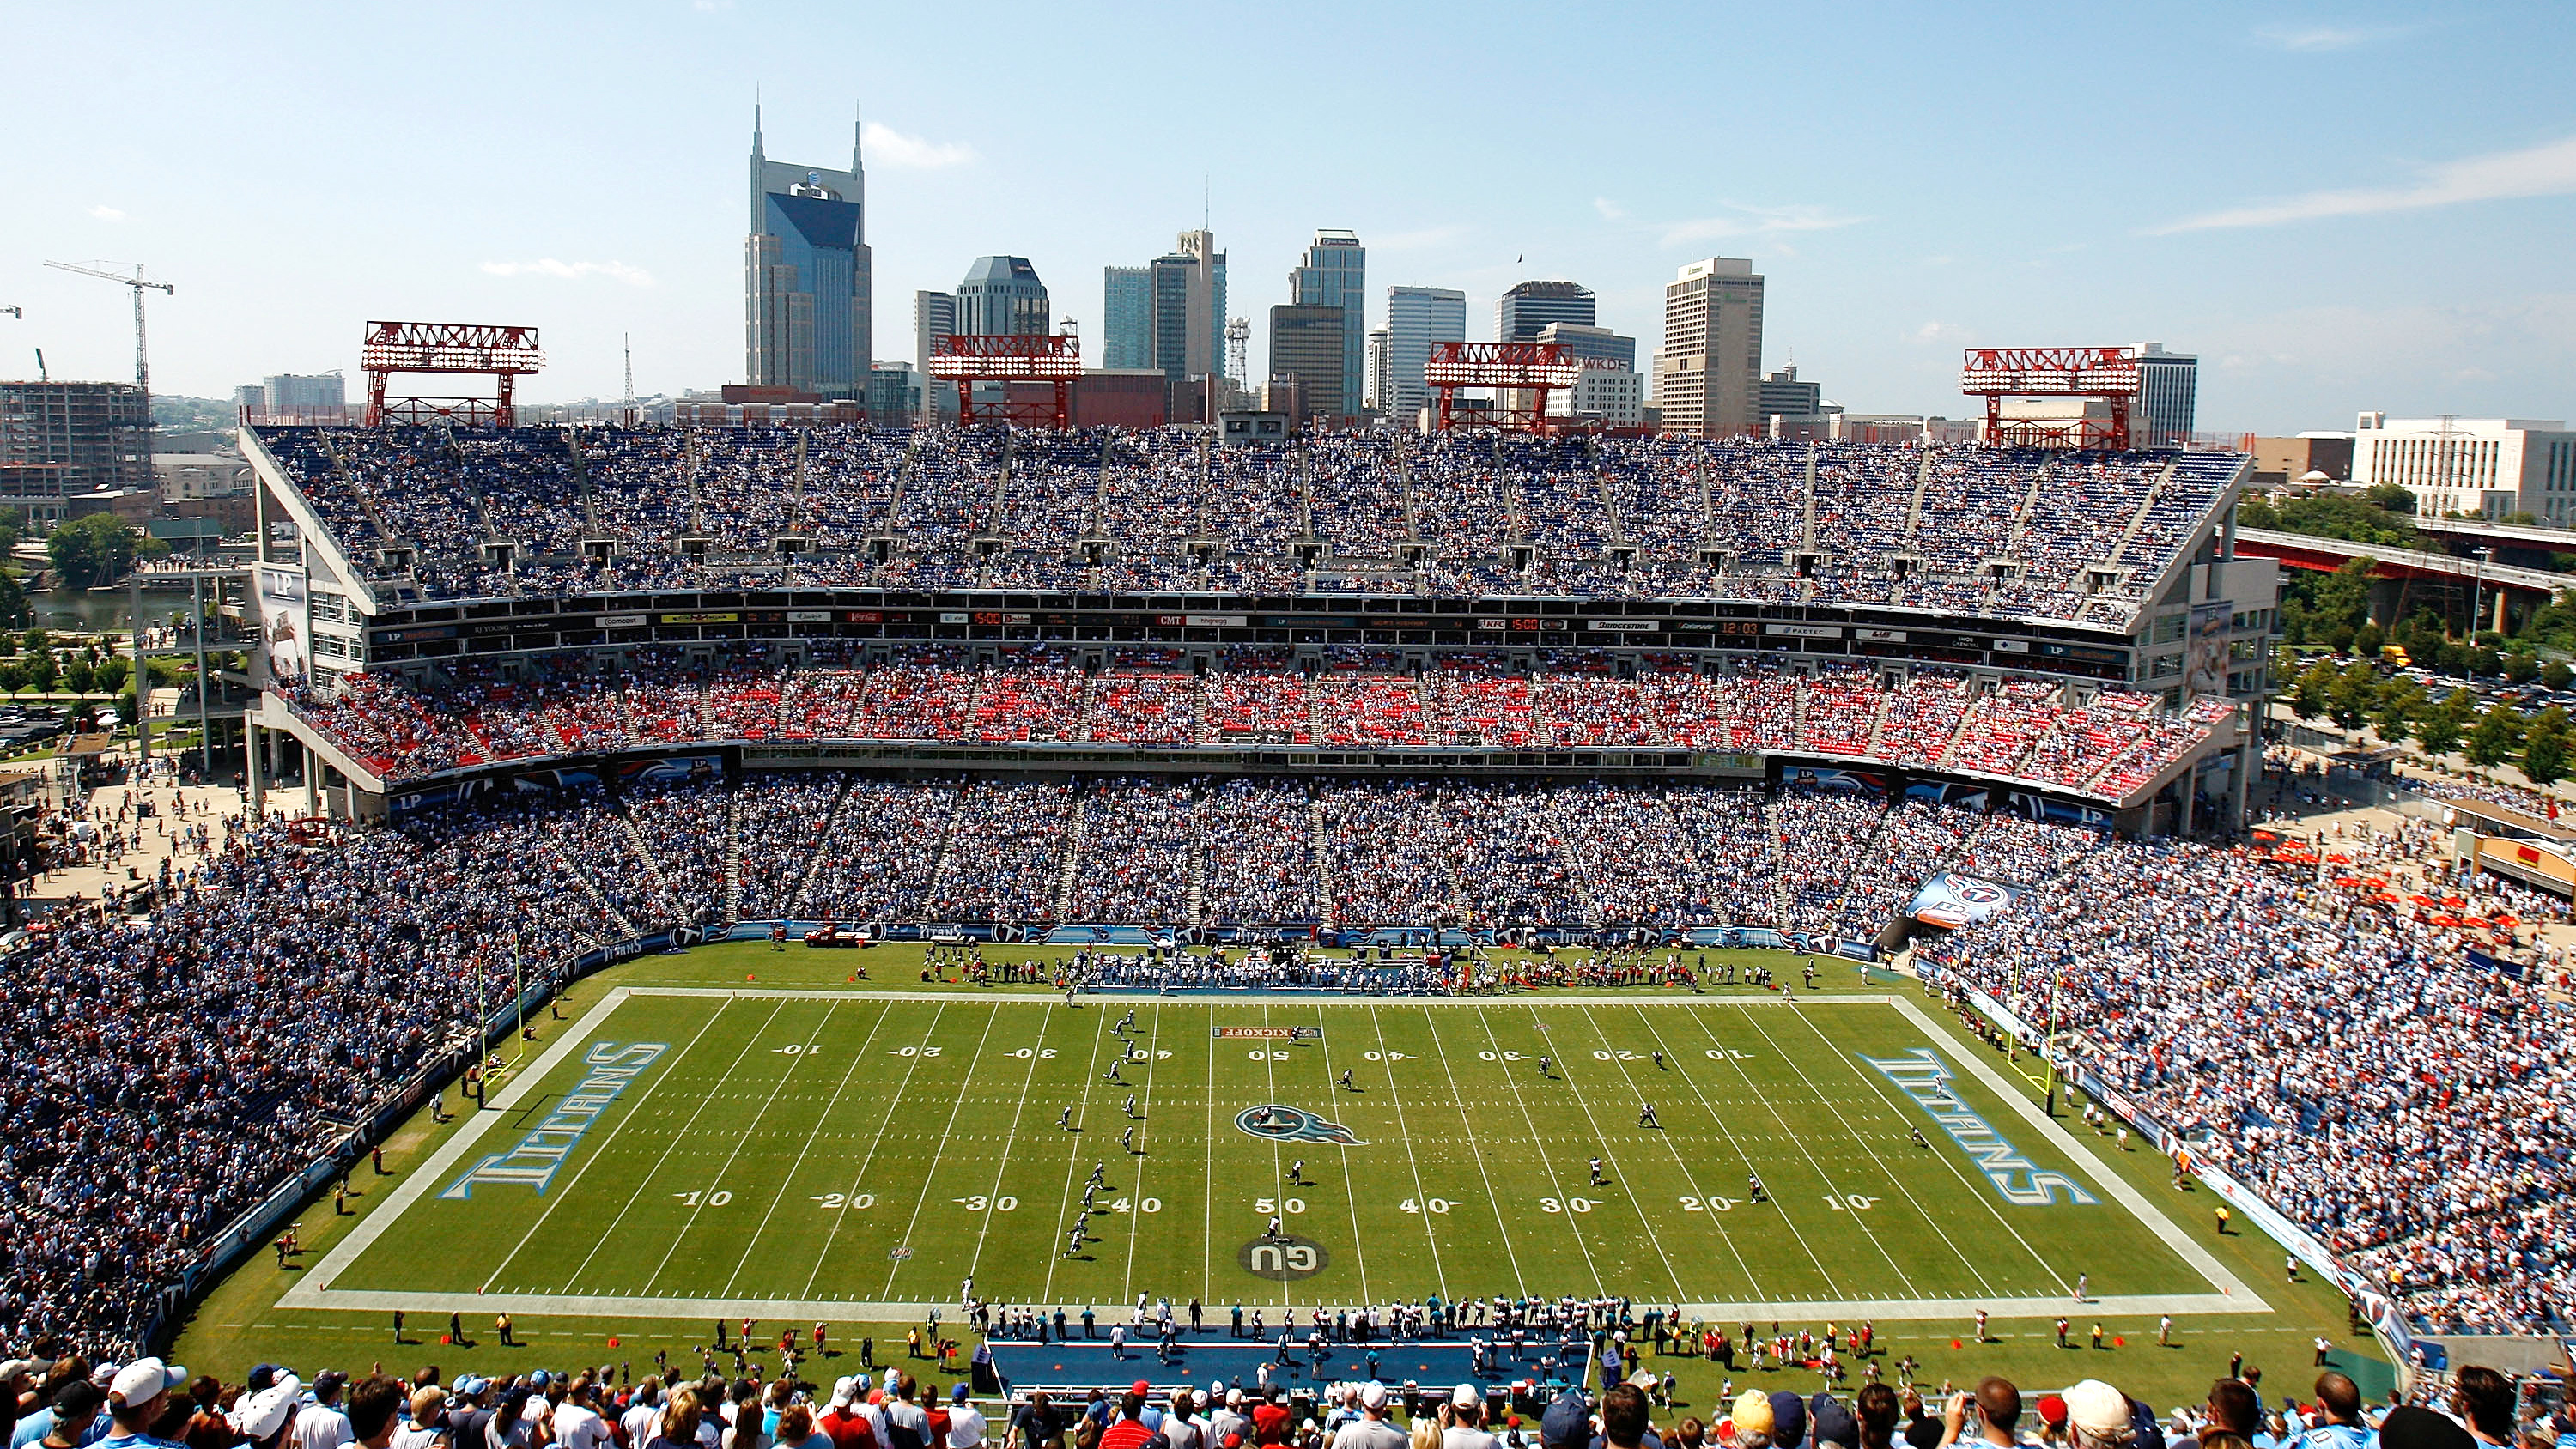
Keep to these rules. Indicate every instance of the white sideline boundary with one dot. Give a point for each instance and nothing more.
(314, 1290)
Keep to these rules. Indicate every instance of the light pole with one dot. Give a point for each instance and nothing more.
(2478, 595)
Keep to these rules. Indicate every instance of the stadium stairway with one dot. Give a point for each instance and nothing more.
(1073, 842)
(733, 856)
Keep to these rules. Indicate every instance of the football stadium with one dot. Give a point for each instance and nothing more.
(828, 918)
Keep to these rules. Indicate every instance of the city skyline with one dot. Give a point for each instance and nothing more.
(2320, 256)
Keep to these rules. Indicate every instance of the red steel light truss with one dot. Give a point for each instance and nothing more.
(2109, 373)
(1051, 360)
(1533, 369)
(471, 348)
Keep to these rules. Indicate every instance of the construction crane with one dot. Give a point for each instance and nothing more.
(142, 368)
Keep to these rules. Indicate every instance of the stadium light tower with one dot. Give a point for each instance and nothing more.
(2108, 373)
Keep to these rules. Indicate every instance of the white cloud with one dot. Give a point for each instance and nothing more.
(893, 148)
(1939, 332)
(1753, 221)
(2327, 37)
(1610, 210)
(107, 213)
(2544, 170)
(572, 271)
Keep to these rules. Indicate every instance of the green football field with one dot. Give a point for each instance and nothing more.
(855, 1156)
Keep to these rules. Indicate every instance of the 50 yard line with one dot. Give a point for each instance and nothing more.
(1351, 1191)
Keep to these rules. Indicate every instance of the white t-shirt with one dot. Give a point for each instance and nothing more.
(577, 1427)
(319, 1427)
(966, 1426)
(1458, 1437)
(639, 1422)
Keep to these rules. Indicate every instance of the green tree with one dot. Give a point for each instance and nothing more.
(42, 671)
(13, 676)
(2521, 668)
(2544, 747)
(2498, 732)
(91, 549)
(2400, 702)
(80, 675)
(2439, 731)
(2367, 639)
(2556, 675)
(2354, 696)
(14, 608)
(113, 672)
(2316, 682)
(2483, 660)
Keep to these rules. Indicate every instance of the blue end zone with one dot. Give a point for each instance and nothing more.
(1203, 1361)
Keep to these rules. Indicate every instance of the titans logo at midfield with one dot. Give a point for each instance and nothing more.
(1293, 1124)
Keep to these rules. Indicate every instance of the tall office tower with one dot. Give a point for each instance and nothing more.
(1335, 274)
(2168, 394)
(807, 291)
(934, 314)
(323, 392)
(1126, 317)
(1002, 297)
(1708, 373)
(1381, 380)
(1417, 317)
(1307, 344)
(1207, 303)
(1522, 311)
(1168, 285)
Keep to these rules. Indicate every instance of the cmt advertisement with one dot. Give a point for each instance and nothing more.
(282, 623)
(1954, 900)
(2204, 657)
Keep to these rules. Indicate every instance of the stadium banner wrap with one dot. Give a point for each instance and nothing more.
(2204, 670)
(2040, 807)
(698, 765)
(283, 627)
(1954, 900)
(1825, 778)
(1950, 792)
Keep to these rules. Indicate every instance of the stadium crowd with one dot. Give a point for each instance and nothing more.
(67, 1402)
(2103, 742)
(430, 513)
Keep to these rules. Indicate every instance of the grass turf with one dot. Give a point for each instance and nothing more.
(802, 1157)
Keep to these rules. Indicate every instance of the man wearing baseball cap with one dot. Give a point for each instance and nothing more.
(136, 1398)
(1371, 1430)
(1466, 1421)
(263, 1418)
(1567, 1424)
(322, 1425)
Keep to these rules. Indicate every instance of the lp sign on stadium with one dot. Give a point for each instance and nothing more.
(1283, 1260)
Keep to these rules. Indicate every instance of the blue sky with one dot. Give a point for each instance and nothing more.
(2339, 207)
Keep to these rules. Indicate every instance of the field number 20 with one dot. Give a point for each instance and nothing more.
(835, 1201)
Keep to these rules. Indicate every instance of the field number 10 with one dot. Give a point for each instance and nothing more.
(712, 1199)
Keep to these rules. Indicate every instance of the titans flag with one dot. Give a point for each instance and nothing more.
(1952, 899)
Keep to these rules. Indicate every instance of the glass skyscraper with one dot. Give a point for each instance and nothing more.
(1335, 274)
(1126, 317)
(807, 289)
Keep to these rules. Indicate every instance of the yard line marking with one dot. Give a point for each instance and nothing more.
(1609, 1152)
(930, 1179)
(1973, 1186)
(1822, 1272)
(669, 1146)
(1272, 1074)
(1458, 1096)
(1036, 1050)
(1141, 1162)
(859, 1175)
(698, 1206)
(1800, 1140)
(1539, 1139)
(1880, 1159)
(556, 1200)
(1716, 1219)
(1412, 1158)
(788, 1183)
(1073, 1154)
(1207, 1194)
(1351, 1191)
